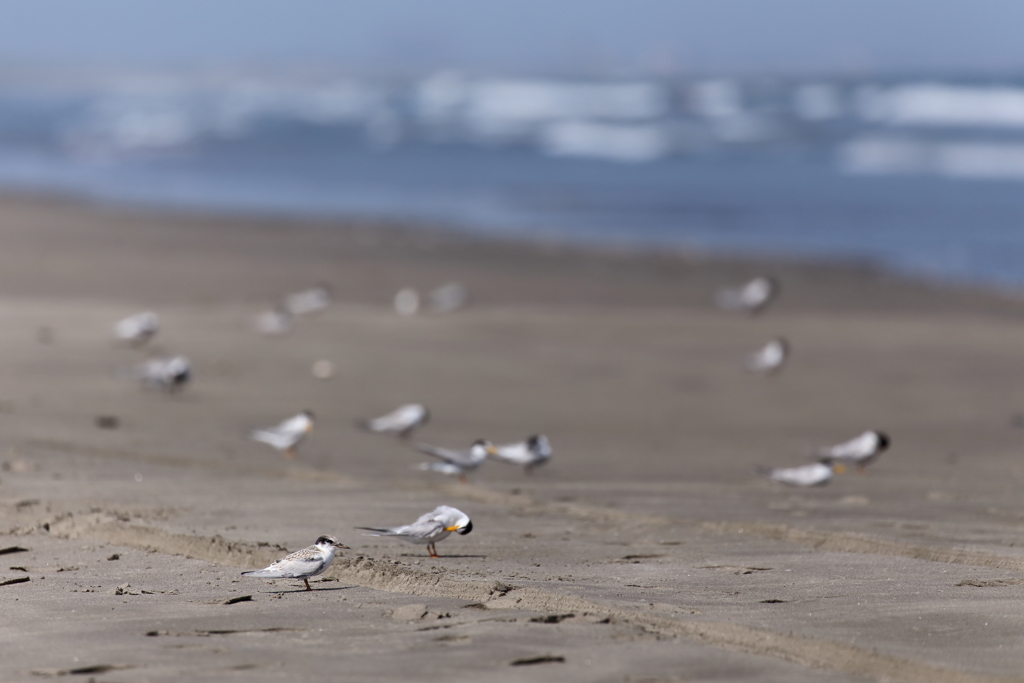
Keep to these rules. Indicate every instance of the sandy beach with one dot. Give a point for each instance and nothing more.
(648, 549)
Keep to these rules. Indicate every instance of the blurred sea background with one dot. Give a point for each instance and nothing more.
(915, 165)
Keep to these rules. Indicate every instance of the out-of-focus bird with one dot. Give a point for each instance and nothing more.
(407, 301)
(168, 373)
(456, 463)
(860, 451)
(770, 358)
(429, 528)
(311, 300)
(286, 436)
(275, 322)
(138, 329)
(302, 564)
(751, 297)
(448, 298)
(532, 453)
(815, 474)
(402, 421)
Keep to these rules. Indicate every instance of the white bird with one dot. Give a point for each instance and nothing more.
(302, 564)
(407, 301)
(456, 463)
(286, 436)
(751, 297)
(814, 474)
(168, 373)
(860, 451)
(277, 321)
(429, 528)
(770, 358)
(308, 301)
(533, 452)
(138, 329)
(448, 298)
(401, 421)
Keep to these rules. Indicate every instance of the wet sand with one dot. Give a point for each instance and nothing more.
(647, 550)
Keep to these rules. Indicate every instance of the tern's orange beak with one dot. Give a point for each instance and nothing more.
(451, 528)
(839, 468)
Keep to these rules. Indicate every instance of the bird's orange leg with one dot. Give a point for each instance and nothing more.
(307, 584)
(290, 454)
(432, 550)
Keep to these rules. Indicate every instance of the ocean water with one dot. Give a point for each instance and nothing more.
(924, 176)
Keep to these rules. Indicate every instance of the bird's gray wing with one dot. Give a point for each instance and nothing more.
(423, 528)
(300, 563)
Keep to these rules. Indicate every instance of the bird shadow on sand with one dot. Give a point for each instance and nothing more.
(444, 557)
(302, 589)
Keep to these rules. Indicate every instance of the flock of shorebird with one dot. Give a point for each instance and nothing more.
(171, 373)
(752, 298)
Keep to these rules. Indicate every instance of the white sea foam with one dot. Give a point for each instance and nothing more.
(617, 142)
(538, 101)
(978, 160)
(938, 104)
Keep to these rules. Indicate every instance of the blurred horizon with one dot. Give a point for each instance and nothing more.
(572, 37)
(892, 132)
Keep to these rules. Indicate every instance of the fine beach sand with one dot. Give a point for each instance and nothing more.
(646, 550)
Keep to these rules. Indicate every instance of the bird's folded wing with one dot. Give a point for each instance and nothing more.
(424, 528)
(266, 436)
(386, 423)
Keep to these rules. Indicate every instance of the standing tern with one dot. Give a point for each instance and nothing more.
(429, 528)
(456, 463)
(402, 421)
(751, 297)
(286, 436)
(302, 564)
(138, 329)
(770, 358)
(860, 451)
(532, 453)
(815, 474)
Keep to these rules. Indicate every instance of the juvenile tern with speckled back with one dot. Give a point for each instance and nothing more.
(430, 528)
(302, 564)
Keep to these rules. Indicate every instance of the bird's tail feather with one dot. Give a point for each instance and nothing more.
(256, 572)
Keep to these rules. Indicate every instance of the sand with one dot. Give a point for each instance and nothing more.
(648, 549)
